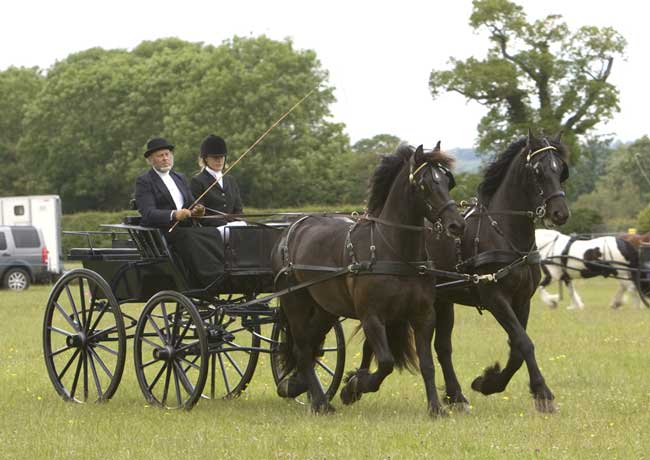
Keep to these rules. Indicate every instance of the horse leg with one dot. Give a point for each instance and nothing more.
(576, 301)
(423, 330)
(617, 301)
(362, 381)
(307, 321)
(442, 344)
(495, 380)
(350, 393)
(549, 299)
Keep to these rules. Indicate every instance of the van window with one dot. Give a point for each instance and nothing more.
(3, 241)
(19, 210)
(26, 237)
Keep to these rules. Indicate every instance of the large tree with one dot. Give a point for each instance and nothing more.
(18, 87)
(87, 128)
(536, 73)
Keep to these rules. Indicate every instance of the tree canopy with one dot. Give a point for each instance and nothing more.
(86, 122)
(537, 74)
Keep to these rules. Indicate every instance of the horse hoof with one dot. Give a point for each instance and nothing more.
(457, 403)
(438, 411)
(323, 409)
(349, 393)
(291, 386)
(553, 304)
(545, 406)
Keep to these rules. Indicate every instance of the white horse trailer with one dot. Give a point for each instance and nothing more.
(43, 212)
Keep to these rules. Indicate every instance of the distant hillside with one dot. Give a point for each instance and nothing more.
(466, 160)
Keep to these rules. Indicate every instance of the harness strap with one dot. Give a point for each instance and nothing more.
(415, 228)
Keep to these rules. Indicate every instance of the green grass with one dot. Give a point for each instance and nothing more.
(595, 361)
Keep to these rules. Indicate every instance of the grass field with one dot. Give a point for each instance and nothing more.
(597, 362)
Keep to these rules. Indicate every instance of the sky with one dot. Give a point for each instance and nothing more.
(379, 54)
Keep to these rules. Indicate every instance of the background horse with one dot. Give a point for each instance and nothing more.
(566, 258)
(521, 186)
(386, 292)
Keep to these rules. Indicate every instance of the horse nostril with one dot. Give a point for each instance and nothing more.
(456, 228)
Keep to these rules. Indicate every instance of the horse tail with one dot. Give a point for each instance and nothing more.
(286, 361)
(401, 343)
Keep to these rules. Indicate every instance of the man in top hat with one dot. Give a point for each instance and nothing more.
(163, 197)
(224, 196)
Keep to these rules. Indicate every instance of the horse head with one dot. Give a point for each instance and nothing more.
(431, 179)
(546, 163)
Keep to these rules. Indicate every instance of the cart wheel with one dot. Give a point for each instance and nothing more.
(171, 351)
(234, 348)
(84, 340)
(330, 363)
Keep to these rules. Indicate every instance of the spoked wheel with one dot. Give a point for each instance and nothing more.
(84, 340)
(171, 351)
(330, 361)
(234, 342)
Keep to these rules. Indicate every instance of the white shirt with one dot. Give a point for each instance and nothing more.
(218, 175)
(176, 194)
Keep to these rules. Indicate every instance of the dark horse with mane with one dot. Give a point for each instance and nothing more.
(521, 186)
(385, 285)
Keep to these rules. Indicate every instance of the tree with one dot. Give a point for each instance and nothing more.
(18, 87)
(536, 74)
(589, 168)
(380, 144)
(88, 126)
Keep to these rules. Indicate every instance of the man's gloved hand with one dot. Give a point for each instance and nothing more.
(198, 211)
(182, 214)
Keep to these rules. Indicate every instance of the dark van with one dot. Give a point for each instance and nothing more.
(23, 256)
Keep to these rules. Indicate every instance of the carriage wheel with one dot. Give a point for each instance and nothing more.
(234, 348)
(84, 340)
(171, 351)
(330, 362)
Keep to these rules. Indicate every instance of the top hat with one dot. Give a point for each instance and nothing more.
(213, 145)
(155, 144)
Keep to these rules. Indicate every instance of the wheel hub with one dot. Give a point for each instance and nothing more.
(167, 353)
(77, 341)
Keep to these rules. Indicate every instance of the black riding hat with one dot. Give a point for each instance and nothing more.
(155, 144)
(213, 145)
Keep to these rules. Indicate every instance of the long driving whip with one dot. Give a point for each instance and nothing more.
(285, 115)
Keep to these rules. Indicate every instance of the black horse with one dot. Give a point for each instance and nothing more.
(382, 287)
(498, 246)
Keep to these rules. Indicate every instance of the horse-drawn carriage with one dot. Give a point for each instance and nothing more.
(621, 257)
(188, 342)
(376, 269)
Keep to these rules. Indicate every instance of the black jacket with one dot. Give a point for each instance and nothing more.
(226, 199)
(154, 201)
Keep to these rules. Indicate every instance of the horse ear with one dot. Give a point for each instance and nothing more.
(529, 141)
(558, 138)
(419, 152)
(437, 147)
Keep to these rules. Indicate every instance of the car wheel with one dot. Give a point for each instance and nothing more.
(17, 279)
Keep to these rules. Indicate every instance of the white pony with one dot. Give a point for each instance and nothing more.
(565, 258)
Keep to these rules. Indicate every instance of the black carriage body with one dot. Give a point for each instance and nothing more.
(136, 273)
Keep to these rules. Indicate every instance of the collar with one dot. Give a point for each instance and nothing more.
(162, 175)
(216, 174)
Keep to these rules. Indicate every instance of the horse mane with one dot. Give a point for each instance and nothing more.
(389, 166)
(497, 169)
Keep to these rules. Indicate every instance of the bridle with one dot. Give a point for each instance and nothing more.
(540, 211)
(435, 170)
